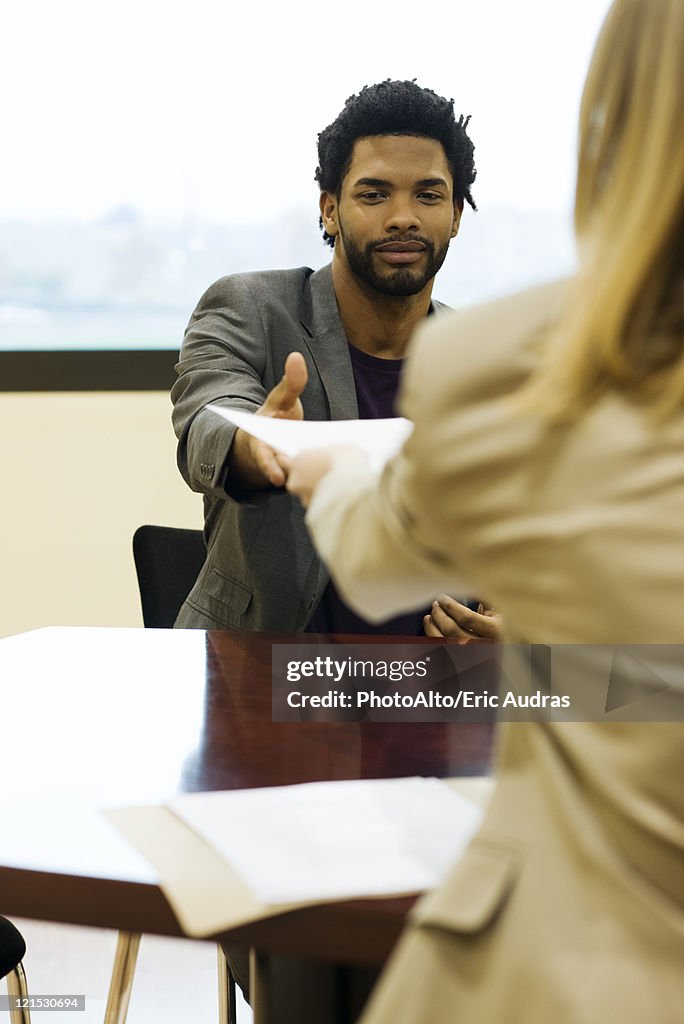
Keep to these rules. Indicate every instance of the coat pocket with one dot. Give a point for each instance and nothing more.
(475, 891)
(226, 591)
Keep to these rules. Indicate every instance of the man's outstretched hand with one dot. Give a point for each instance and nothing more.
(253, 463)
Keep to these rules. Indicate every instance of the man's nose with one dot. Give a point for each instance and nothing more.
(401, 216)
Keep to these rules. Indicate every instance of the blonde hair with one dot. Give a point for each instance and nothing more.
(622, 325)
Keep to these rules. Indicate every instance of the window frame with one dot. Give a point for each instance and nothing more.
(87, 370)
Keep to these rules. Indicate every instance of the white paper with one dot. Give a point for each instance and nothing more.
(379, 439)
(335, 840)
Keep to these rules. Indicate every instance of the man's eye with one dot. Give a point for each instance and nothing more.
(372, 196)
(430, 196)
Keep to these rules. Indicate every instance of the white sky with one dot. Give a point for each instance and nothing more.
(212, 108)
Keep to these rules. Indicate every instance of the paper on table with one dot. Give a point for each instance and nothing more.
(335, 840)
(379, 439)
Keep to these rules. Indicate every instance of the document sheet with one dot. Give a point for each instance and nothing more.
(379, 439)
(335, 840)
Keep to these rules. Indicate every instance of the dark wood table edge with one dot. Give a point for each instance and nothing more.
(352, 932)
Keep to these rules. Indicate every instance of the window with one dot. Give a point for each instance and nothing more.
(151, 148)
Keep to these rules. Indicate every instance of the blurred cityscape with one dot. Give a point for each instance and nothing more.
(127, 282)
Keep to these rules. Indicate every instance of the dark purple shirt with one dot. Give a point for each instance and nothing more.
(377, 384)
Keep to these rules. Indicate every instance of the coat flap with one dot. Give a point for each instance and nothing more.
(475, 890)
(228, 591)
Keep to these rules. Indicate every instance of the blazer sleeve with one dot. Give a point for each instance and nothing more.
(222, 361)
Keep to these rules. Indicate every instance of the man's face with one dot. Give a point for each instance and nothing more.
(395, 215)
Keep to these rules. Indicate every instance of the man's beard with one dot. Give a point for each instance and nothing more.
(397, 280)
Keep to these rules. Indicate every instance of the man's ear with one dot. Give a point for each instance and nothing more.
(456, 223)
(328, 208)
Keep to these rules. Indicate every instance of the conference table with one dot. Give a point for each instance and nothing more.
(100, 718)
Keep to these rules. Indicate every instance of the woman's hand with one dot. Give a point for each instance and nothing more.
(305, 471)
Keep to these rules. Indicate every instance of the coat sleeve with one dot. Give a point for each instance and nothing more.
(456, 496)
(389, 542)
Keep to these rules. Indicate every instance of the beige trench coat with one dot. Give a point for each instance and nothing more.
(568, 907)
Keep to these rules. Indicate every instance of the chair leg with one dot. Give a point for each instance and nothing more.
(122, 978)
(226, 990)
(17, 988)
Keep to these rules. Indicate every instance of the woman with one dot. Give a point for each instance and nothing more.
(546, 470)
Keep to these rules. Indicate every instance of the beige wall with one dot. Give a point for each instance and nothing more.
(79, 473)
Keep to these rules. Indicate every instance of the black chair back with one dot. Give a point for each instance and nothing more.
(167, 562)
(12, 947)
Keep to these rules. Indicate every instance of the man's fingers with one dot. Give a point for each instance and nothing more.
(467, 622)
(296, 372)
(283, 399)
(429, 627)
(448, 624)
(267, 461)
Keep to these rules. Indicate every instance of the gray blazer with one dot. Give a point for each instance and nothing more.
(261, 570)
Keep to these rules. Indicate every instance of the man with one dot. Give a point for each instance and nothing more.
(395, 169)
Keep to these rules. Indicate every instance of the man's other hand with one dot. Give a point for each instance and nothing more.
(253, 463)
(448, 617)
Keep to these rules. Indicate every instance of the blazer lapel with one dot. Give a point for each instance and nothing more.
(327, 343)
